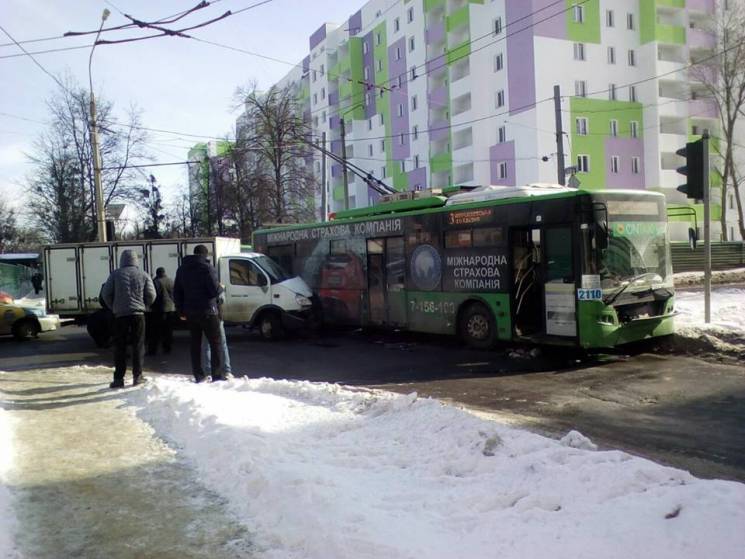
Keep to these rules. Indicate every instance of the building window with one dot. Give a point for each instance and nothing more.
(412, 77)
(611, 55)
(614, 161)
(497, 26)
(315, 98)
(403, 166)
(579, 14)
(410, 15)
(612, 92)
(377, 38)
(632, 58)
(583, 163)
(398, 53)
(609, 19)
(400, 109)
(396, 24)
(579, 51)
(380, 65)
(411, 44)
(323, 69)
(369, 124)
(634, 127)
(416, 161)
(632, 93)
(635, 165)
(614, 128)
(382, 172)
(630, 21)
(368, 100)
(500, 98)
(323, 93)
(365, 47)
(581, 124)
(502, 134)
(580, 88)
(369, 150)
(366, 73)
(382, 119)
(315, 75)
(382, 146)
(731, 204)
(413, 102)
(415, 133)
(502, 170)
(498, 62)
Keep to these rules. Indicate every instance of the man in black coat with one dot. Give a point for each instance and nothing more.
(195, 294)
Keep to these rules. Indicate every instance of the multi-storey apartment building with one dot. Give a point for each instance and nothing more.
(440, 92)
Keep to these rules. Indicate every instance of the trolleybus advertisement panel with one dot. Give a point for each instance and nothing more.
(476, 270)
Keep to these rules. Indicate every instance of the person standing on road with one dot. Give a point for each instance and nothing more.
(206, 351)
(195, 294)
(161, 314)
(128, 292)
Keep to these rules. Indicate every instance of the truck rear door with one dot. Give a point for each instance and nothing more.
(164, 255)
(63, 288)
(137, 248)
(95, 269)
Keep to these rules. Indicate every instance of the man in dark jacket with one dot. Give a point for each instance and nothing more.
(160, 327)
(195, 295)
(128, 292)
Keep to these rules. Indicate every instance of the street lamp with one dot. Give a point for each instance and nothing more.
(100, 217)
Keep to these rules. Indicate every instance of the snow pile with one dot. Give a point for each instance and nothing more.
(726, 331)
(687, 279)
(321, 471)
(8, 549)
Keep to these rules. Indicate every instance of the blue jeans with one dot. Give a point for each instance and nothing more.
(206, 353)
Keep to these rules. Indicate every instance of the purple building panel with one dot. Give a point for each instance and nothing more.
(417, 177)
(399, 97)
(550, 19)
(503, 153)
(438, 97)
(700, 39)
(435, 33)
(521, 76)
(625, 149)
(336, 170)
(439, 130)
(335, 147)
(701, 5)
(704, 108)
(334, 122)
(317, 37)
(355, 23)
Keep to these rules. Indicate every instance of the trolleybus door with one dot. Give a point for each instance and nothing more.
(559, 282)
(386, 297)
(526, 293)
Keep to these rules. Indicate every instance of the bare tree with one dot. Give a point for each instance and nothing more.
(62, 183)
(276, 134)
(153, 205)
(723, 76)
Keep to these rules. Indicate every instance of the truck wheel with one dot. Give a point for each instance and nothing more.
(270, 326)
(25, 329)
(477, 327)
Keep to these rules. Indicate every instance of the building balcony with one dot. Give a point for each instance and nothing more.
(439, 130)
(438, 98)
(700, 39)
(702, 108)
(670, 143)
(672, 34)
(440, 163)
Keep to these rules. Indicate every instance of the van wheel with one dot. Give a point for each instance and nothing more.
(477, 327)
(270, 326)
(25, 329)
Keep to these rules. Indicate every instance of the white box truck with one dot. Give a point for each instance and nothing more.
(258, 292)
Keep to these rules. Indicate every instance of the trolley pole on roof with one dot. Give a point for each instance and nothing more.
(559, 137)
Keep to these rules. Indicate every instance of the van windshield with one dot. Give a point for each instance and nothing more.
(275, 272)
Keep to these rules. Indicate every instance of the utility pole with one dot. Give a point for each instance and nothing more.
(707, 230)
(559, 136)
(344, 165)
(100, 214)
(324, 199)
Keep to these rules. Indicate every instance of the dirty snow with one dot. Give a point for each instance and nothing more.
(727, 327)
(7, 519)
(322, 471)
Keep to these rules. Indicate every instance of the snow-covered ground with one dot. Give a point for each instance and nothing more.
(726, 331)
(322, 471)
(7, 518)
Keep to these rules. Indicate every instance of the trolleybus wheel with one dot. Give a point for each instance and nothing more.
(477, 327)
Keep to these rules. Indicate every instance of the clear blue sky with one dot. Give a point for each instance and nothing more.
(180, 85)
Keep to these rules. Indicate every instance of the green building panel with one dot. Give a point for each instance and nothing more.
(588, 30)
(599, 114)
(651, 30)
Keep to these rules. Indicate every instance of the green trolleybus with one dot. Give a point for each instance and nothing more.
(541, 263)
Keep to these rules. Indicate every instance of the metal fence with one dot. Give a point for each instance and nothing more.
(723, 256)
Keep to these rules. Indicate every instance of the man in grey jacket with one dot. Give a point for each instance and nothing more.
(128, 292)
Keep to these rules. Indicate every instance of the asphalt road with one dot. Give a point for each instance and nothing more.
(674, 409)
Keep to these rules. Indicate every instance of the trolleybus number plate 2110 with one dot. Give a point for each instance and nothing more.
(589, 294)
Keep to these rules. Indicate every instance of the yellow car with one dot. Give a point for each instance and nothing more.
(25, 322)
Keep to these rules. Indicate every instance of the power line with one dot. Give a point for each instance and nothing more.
(47, 72)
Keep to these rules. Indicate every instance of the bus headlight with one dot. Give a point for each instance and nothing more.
(303, 301)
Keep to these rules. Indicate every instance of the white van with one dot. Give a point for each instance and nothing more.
(258, 292)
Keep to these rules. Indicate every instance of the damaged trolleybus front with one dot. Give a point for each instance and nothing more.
(542, 262)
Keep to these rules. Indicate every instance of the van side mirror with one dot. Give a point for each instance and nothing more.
(262, 280)
(692, 238)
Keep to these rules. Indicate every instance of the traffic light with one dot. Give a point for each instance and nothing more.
(693, 169)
